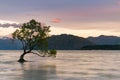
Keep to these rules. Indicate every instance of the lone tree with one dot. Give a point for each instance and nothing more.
(33, 37)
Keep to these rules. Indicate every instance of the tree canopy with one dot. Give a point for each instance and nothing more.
(33, 36)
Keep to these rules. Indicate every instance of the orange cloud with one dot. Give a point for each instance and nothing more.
(56, 20)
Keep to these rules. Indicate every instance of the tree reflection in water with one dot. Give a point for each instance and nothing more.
(35, 71)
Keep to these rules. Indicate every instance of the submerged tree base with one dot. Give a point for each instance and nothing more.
(22, 60)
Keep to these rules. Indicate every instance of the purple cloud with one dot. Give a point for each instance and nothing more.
(6, 25)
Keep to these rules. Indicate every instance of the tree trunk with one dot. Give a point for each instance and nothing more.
(22, 58)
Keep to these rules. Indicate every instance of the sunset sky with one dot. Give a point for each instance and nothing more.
(78, 17)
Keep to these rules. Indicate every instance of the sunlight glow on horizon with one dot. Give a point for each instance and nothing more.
(59, 31)
(88, 29)
(82, 33)
(6, 31)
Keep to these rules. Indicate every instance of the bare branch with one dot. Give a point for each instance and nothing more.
(38, 54)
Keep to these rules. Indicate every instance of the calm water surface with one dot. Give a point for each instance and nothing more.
(68, 65)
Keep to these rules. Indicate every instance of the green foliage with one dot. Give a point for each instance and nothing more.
(33, 36)
(53, 53)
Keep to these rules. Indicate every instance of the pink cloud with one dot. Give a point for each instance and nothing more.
(97, 13)
(56, 20)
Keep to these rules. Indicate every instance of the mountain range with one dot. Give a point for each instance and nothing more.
(105, 40)
(65, 42)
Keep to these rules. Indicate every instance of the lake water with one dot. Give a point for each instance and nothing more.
(68, 65)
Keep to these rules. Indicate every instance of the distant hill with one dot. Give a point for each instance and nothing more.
(8, 44)
(105, 40)
(67, 42)
(59, 42)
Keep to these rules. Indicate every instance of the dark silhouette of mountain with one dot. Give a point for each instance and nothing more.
(67, 42)
(105, 40)
(59, 42)
(8, 44)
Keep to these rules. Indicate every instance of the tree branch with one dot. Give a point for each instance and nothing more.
(38, 54)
